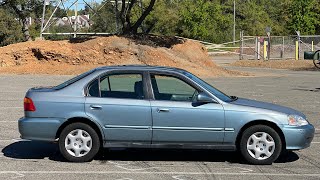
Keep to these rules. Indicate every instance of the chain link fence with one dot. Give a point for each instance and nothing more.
(277, 47)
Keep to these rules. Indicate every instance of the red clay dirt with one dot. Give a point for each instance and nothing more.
(65, 57)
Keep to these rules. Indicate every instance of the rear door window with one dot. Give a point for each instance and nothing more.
(128, 86)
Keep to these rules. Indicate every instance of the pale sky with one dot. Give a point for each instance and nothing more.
(81, 3)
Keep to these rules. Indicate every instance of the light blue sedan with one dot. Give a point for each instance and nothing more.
(157, 107)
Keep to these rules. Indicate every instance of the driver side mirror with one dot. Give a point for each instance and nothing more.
(204, 98)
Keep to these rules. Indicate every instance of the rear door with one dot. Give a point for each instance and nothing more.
(177, 120)
(119, 103)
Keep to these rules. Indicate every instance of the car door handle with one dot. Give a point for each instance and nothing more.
(159, 110)
(95, 107)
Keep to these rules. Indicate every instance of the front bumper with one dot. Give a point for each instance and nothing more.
(298, 137)
(42, 129)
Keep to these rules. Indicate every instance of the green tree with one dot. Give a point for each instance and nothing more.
(303, 16)
(125, 15)
(105, 20)
(23, 9)
(163, 20)
(204, 20)
(9, 28)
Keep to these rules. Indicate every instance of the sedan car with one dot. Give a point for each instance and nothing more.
(157, 107)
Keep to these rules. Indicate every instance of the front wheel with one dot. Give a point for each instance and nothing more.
(260, 144)
(79, 142)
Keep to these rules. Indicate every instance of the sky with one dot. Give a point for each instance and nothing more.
(81, 3)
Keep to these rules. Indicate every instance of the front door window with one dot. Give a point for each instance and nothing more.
(169, 88)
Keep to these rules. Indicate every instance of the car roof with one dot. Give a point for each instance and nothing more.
(141, 68)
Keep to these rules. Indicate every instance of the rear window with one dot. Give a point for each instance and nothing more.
(73, 80)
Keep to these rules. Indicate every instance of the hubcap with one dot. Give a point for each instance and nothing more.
(78, 143)
(260, 145)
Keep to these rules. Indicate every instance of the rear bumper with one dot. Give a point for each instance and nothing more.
(298, 137)
(42, 129)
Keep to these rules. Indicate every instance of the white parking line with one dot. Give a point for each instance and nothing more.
(158, 173)
(11, 107)
(126, 166)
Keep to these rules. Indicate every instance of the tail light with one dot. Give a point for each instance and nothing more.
(28, 104)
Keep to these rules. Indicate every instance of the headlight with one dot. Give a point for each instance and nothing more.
(295, 120)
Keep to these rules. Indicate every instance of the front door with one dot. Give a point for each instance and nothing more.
(177, 120)
(118, 102)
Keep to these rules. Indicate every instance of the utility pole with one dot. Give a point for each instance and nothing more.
(45, 3)
(234, 21)
(76, 19)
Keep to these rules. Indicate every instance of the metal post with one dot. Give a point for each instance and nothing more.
(298, 45)
(76, 20)
(54, 11)
(312, 46)
(265, 49)
(282, 51)
(43, 15)
(258, 47)
(234, 22)
(269, 46)
(297, 50)
(241, 46)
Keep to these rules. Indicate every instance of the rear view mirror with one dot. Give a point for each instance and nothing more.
(204, 98)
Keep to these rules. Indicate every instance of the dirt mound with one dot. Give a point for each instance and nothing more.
(65, 57)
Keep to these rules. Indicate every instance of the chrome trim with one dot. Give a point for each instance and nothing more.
(127, 127)
(229, 129)
(187, 128)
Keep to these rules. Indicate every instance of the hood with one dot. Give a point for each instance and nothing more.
(267, 106)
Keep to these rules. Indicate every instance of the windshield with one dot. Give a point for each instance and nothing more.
(73, 80)
(208, 87)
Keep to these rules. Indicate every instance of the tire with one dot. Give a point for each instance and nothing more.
(316, 63)
(316, 60)
(79, 142)
(260, 145)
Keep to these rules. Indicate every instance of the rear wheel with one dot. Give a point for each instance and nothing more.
(260, 144)
(79, 142)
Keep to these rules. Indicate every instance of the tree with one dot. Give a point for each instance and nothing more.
(105, 20)
(204, 20)
(23, 9)
(164, 18)
(303, 16)
(124, 14)
(9, 28)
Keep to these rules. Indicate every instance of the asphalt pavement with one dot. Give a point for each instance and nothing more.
(37, 160)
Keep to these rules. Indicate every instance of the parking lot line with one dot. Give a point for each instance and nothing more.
(20, 107)
(159, 173)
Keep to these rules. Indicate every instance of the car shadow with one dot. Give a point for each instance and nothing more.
(40, 150)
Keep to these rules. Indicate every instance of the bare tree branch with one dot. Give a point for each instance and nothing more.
(142, 17)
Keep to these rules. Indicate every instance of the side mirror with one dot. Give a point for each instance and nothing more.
(204, 98)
